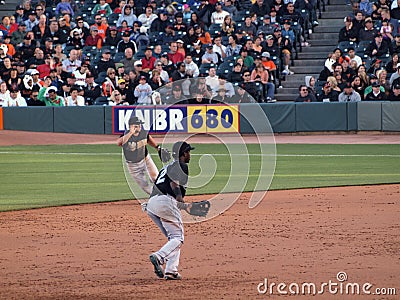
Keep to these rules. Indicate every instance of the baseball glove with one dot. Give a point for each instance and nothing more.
(164, 154)
(200, 208)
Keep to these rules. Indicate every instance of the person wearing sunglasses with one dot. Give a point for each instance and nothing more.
(304, 95)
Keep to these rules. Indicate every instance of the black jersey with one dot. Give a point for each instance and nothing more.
(135, 148)
(175, 171)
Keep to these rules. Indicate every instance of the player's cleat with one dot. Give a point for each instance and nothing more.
(172, 276)
(157, 265)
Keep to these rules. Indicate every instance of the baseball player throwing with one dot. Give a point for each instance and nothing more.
(138, 159)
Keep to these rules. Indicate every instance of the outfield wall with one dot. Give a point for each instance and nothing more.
(284, 117)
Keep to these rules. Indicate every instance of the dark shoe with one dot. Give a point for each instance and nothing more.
(173, 276)
(157, 266)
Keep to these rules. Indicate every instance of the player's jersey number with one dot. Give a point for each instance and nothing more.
(217, 118)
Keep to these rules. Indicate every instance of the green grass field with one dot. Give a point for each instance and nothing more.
(39, 176)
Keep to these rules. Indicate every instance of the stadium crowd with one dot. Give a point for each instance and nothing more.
(365, 65)
(116, 52)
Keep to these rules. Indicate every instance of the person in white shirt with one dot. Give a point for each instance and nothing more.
(219, 48)
(191, 67)
(218, 16)
(4, 92)
(143, 91)
(148, 17)
(212, 79)
(14, 98)
(74, 99)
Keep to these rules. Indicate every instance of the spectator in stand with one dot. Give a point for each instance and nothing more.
(159, 24)
(379, 47)
(17, 37)
(328, 94)
(394, 93)
(41, 29)
(163, 74)
(233, 49)
(179, 24)
(366, 7)
(147, 17)
(76, 39)
(310, 83)
(49, 96)
(127, 15)
(180, 72)
(349, 95)
(385, 15)
(112, 38)
(260, 74)
(19, 14)
(359, 86)
(209, 56)
(106, 62)
(251, 87)
(285, 49)
(230, 8)
(372, 80)
(376, 94)
(395, 11)
(197, 52)
(143, 91)
(126, 43)
(74, 99)
(102, 8)
(204, 13)
(192, 70)
(248, 27)
(44, 69)
(156, 81)
(176, 96)
(368, 32)
(218, 16)
(71, 64)
(31, 22)
(304, 95)
(348, 33)
(382, 75)
(173, 55)
(128, 61)
(91, 90)
(33, 99)
(351, 53)
(260, 7)
(84, 28)
(395, 75)
(235, 76)
(94, 39)
(396, 43)
(228, 26)
(64, 7)
(14, 99)
(148, 60)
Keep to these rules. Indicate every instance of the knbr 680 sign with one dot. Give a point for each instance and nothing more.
(218, 118)
(185, 119)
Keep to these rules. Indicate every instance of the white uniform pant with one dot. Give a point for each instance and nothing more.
(140, 172)
(163, 210)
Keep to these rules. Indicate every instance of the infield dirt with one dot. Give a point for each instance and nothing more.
(100, 251)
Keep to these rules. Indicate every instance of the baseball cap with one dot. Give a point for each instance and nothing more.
(180, 41)
(52, 89)
(209, 46)
(49, 39)
(21, 24)
(19, 7)
(372, 76)
(138, 63)
(32, 12)
(106, 51)
(34, 72)
(375, 84)
(269, 37)
(135, 121)
(121, 81)
(179, 148)
(277, 29)
(347, 19)
(142, 77)
(94, 28)
(378, 34)
(119, 65)
(113, 28)
(369, 19)
(126, 34)
(266, 54)
(396, 86)
(287, 21)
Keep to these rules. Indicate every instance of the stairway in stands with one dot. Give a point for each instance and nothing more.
(8, 9)
(311, 60)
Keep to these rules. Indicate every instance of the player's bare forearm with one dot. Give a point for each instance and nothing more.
(151, 141)
(123, 139)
